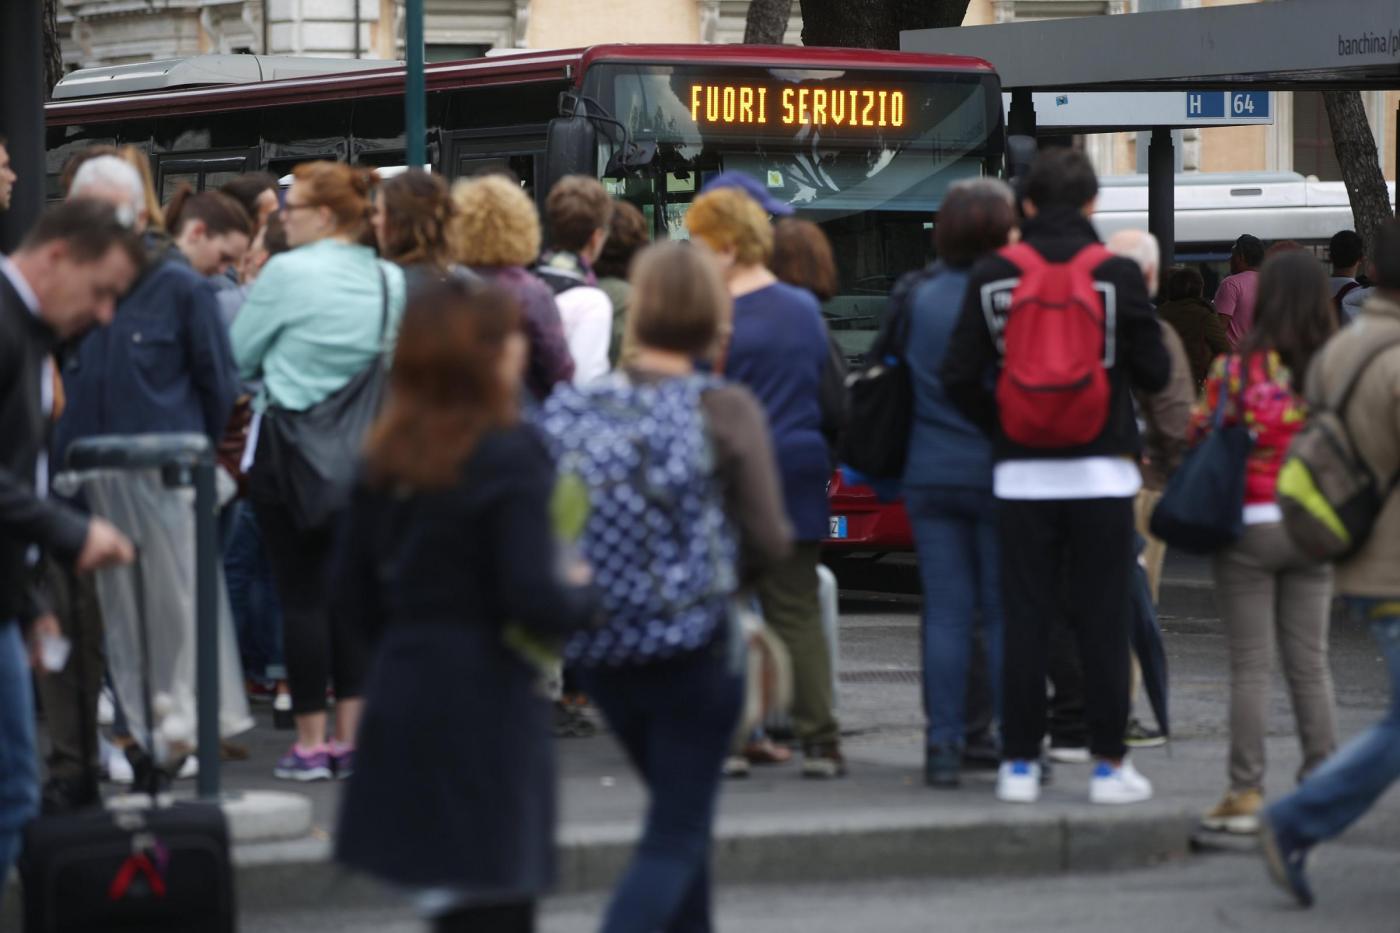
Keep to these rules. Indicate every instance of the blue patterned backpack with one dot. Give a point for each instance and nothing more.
(661, 547)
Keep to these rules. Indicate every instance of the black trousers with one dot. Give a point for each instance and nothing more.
(1067, 725)
(318, 650)
(1074, 556)
(70, 696)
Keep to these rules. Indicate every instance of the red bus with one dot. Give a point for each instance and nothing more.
(862, 142)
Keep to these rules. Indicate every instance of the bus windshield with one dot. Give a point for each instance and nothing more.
(867, 155)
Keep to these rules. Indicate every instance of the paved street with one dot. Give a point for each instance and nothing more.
(1225, 892)
(1220, 887)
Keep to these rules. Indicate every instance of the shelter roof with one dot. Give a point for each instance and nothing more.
(1277, 44)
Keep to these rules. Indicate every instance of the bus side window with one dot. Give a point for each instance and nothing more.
(518, 166)
(171, 183)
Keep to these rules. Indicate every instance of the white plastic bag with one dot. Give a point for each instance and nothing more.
(159, 519)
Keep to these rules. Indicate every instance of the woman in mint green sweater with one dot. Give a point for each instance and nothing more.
(311, 323)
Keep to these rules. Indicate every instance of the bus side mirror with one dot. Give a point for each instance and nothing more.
(571, 148)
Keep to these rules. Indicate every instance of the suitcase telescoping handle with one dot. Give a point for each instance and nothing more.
(151, 777)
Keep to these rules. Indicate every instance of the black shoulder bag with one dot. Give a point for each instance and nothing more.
(881, 395)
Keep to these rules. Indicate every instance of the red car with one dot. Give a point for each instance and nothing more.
(861, 522)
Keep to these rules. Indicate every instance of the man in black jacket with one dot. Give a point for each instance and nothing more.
(1066, 513)
(66, 275)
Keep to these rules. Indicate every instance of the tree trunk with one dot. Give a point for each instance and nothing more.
(874, 24)
(53, 52)
(767, 22)
(1361, 167)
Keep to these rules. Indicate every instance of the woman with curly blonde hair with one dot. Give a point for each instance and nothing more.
(496, 233)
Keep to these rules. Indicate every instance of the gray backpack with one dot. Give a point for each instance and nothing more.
(1329, 496)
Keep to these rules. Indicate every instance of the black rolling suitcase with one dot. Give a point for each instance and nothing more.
(156, 869)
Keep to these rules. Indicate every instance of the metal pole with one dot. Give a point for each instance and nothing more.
(1161, 194)
(206, 600)
(22, 114)
(357, 27)
(415, 118)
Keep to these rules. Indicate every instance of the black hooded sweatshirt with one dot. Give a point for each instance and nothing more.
(1140, 358)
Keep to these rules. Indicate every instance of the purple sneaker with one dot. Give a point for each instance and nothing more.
(342, 760)
(298, 765)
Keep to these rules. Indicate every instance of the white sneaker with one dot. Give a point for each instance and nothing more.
(118, 768)
(735, 766)
(1118, 785)
(106, 708)
(1018, 782)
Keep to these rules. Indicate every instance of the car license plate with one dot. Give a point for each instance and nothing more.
(838, 526)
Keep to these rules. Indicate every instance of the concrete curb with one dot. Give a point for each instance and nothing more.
(253, 816)
(893, 843)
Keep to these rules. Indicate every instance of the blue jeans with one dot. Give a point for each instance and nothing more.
(19, 763)
(1349, 783)
(675, 720)
(955, 531)
(252, 597)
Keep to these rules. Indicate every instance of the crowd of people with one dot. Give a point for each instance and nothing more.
(476, 446)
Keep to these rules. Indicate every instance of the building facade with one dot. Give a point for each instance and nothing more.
(106, 32)
(110, 32)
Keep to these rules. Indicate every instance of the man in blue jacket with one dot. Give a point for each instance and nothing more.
(163, 365)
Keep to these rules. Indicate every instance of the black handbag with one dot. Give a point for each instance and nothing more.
(881, 395)
(1202, 508)
(306, 459)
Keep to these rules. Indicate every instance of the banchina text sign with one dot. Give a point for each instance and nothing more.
(731, 104)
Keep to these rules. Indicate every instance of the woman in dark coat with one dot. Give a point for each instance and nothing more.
(1201, 330)
(447, 559)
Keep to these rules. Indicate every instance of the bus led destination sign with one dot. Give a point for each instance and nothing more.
(731, 104)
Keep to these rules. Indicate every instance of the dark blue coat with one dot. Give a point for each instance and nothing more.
(454, 770)
(945, 449)
(163, 365)
(778, 351)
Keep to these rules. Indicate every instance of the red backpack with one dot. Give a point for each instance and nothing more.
(1057, 345)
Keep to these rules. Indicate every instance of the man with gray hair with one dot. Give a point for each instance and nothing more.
(1166, 415)
(162, 365)
(108, 179)
(1167, 412)
(1142, 248)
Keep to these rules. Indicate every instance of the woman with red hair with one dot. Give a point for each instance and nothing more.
(315, 318)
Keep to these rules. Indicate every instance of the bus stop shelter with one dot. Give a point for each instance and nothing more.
(1219, 56)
